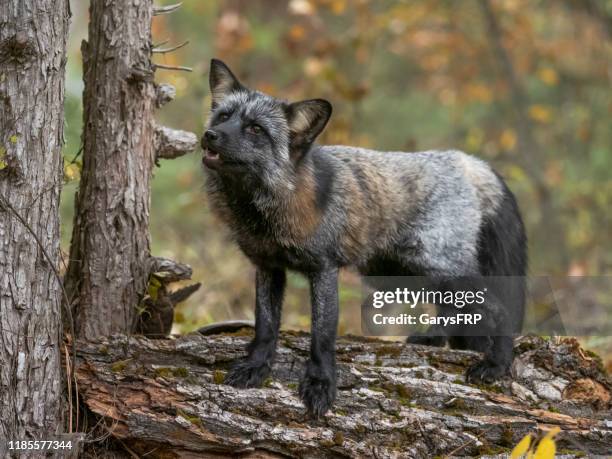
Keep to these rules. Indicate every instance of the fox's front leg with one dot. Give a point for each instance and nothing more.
(318, 386)
(252, 371)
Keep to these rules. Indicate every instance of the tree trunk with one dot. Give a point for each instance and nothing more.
(109, 252)
(110, 264)
(528, 148)
(165, 398)
(33, 39)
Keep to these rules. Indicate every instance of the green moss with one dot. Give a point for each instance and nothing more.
(403, 391)
(375, 388)
(388, 349)
(378, 363)
(597, 359)
(268, 382)
(163, 372)
(326, 442)
(487, 388)
(119, 365)
(219, 376)
(180, 372)
(490, 450)
(195, 420)
(341, 412)
(166, 372)
(407, 365)
(103, 350)
(244, 331)
(338, 438)
(457, 407)
(292, 386)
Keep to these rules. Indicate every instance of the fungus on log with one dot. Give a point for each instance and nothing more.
(166, 398)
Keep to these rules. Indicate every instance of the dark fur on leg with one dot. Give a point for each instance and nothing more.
(318, 386)
(247, 373)
(251, 372)
(496, 363)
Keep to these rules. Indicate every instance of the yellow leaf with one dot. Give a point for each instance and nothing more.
(479, 92)
(3, 163)
(338, 6)
(508, 139)
(521, 448)
(546, 449)
(297, 32)
(548, 75)
(71, 172)
(474, 139)
(540, 113)
(153, 287)
(552, 432)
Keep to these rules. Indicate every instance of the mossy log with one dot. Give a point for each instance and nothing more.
(165, 398)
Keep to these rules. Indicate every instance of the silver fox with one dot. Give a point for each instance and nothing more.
(293, 205)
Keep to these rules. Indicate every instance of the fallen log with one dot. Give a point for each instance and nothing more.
(165, 398)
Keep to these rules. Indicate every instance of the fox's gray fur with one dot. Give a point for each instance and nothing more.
(314, 209)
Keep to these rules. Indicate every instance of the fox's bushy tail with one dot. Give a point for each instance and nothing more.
(503, 252)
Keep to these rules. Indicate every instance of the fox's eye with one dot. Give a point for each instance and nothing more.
(223, 117)
(254, 129)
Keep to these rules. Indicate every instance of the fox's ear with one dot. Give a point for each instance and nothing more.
(306, 120)
(222, 81)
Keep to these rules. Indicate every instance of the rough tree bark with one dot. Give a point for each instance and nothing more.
(33, 39)
(110, 261)
(164, 398)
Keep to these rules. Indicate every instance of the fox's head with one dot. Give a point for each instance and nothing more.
(249, 132)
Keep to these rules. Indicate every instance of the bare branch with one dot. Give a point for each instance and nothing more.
(161, 43)
(169, 50)
(173, 67)
(164, 93)
(169, 270)
(159, 10)
(172, 143)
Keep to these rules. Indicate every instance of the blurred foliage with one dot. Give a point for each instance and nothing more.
(402, 75)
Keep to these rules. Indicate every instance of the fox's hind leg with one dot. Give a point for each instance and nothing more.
(252, 371)
(496, 363)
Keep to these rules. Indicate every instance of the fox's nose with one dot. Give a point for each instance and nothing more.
(211, 135)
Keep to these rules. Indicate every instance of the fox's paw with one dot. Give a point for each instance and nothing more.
(318, 390)
(426, 340)
(247, 374)
(485, 372)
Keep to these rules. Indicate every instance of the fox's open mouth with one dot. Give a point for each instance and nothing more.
(211, 158)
